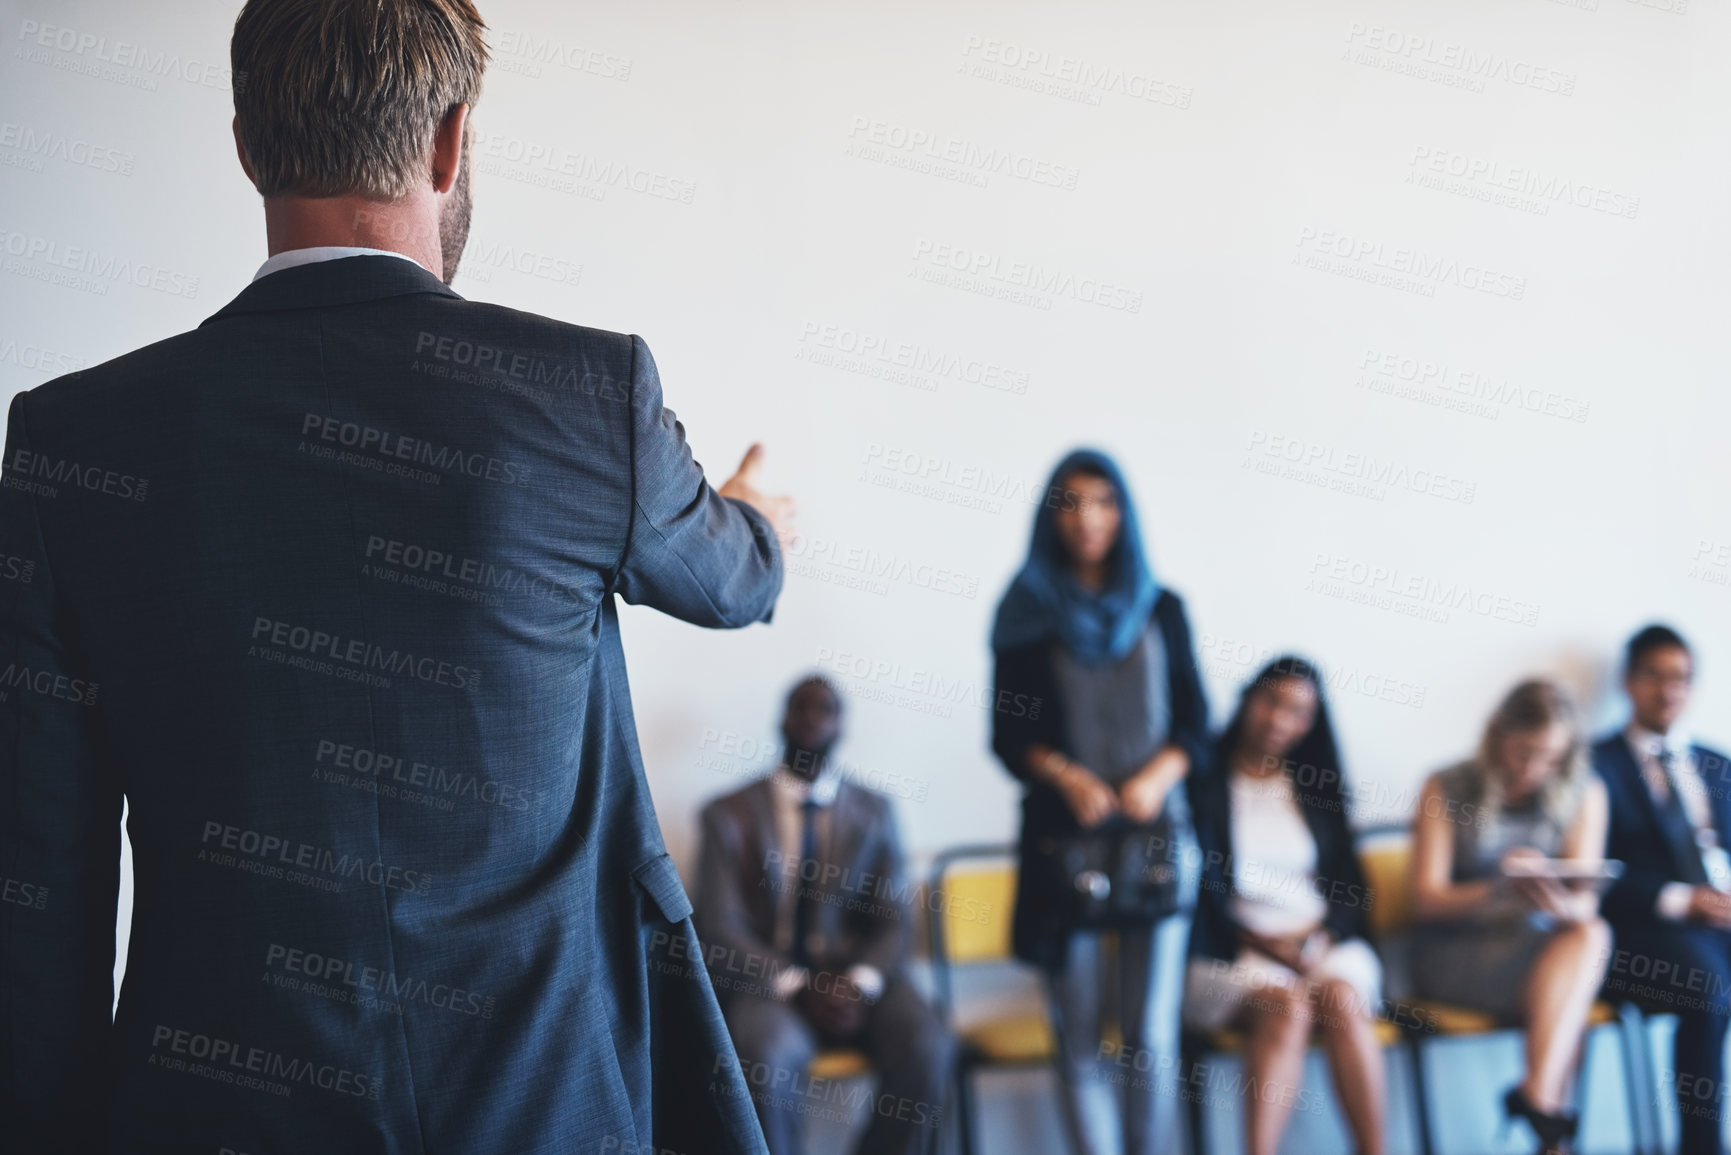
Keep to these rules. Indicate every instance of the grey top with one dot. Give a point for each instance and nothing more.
(1482, 837)
(1118, 713)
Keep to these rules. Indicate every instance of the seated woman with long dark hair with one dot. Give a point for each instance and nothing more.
(1278, 946)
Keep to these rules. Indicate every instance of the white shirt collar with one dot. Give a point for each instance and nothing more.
(289, 258)
(1648, 743)
(821, 790)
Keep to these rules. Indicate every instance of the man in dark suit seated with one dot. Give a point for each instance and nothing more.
(806, 920)
(1671, 910)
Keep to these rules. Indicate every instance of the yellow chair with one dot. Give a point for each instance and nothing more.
(970, 898)
(835, 1063)
(1386, 853)
(839, 1063)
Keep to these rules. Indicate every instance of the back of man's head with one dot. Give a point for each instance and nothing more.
(342, 97)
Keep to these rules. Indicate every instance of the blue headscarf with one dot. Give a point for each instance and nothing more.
(1046, 601)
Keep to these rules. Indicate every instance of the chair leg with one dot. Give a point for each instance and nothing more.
(1638, 1078)
(965, 1107)
(1420, 1097)
(1196, 1111)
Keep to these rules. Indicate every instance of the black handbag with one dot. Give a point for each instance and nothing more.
(1120, 874)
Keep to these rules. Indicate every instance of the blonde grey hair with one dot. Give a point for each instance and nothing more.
(1535, 704)
(342, 97)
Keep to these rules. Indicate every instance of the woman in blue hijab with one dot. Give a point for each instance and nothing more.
(1100, 713)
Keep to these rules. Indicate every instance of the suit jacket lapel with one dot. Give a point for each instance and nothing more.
(1624, 756)
(761, 837)
(845, 830)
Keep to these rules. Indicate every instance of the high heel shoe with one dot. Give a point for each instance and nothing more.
(1553, 1130)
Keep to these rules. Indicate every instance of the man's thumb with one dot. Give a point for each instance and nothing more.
(750, 463)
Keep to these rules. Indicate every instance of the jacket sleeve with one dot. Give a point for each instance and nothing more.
(689, 552)
(1189, 729)
(1214, 932)
(722, 917)
(890, 932)
(1634, 896)
(60, 801)
(1023, 710)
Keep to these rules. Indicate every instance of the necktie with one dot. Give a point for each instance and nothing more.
(804, 898)
(1684, 845)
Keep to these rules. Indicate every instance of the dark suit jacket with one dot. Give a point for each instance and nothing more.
(864, 913)
(325, 589)
(1639, 837)
(1028, 711)
(1339, 874)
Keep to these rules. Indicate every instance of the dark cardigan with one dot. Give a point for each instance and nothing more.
(1340, 877)
(1031, 712)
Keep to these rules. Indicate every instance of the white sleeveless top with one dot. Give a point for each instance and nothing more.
(1274, 859)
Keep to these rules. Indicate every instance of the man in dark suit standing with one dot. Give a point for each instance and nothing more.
(325, 589)
(803, 908)
(1671, 910)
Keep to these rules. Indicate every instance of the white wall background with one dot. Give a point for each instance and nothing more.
(1235, 169)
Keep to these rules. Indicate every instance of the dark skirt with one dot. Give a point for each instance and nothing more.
(1478, 966)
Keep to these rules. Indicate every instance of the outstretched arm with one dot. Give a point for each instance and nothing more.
(690, 552)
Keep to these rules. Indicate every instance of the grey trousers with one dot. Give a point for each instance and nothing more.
(910, 1050)
(1121, 1098)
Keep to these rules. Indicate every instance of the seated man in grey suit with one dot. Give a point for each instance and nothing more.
(805, 915)
(325, 589)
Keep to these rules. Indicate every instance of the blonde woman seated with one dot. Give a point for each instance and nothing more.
(1278, 946)
(1528, 951)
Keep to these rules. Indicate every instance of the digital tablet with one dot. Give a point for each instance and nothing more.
(1566, 869)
